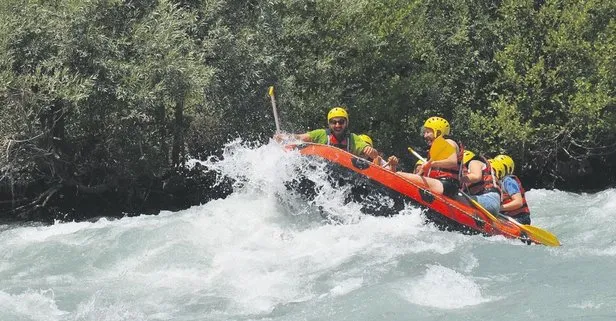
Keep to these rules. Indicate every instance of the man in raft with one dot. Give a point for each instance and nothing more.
(442, 175)
(513, 199)
(336, 134)
(480, 181)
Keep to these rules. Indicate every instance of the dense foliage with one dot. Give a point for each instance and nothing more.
(109, 97)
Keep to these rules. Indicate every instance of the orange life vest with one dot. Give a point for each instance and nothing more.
(333, 141)
(487, 183)
(506, 198)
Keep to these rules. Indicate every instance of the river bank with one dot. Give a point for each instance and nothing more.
(175, 190)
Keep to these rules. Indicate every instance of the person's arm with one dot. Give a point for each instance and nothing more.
(474, 173)
(511, 187)
(303, 137)
(417, 169)
(279, 137)
(517, 202)
(370, 152)
(393, 161)
(449, 162)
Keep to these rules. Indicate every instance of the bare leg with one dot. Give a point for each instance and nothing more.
(434, 185)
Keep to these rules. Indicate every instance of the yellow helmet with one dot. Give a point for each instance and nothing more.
(468, 155)
(366, 139)
(437, 124)
(498, 167)
(337, 112)
(507, 163)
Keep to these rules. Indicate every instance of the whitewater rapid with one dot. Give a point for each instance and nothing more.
(265, 253)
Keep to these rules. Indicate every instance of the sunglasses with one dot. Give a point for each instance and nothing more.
(337, 121)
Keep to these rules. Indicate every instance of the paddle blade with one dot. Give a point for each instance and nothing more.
(441, 149)
(541, 235)
(534, 233)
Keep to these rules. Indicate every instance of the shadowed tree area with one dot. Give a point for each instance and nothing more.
(103, 101)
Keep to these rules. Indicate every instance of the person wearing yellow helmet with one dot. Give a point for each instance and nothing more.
(442, 175)
(467, 156)
(392, 161)
(480, 182)
(507, 162)
(336, 134)
(366, 139)
(418, 166)
(497, 168)
(438, 125)
(513, 195)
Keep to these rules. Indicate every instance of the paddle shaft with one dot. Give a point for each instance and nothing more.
(479, 206)
(271, 94)
(417, 155)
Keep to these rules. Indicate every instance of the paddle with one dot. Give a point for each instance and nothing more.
(538, 234)
(441, 149)
(541, 235)
(271, 94)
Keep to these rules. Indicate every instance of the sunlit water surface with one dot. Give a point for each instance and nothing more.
(265, 253)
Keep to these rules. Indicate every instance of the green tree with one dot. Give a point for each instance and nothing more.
(556, 97)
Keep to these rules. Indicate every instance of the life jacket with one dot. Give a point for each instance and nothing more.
(333, 141)
(506, 198)
(449, 173)
(487, 183)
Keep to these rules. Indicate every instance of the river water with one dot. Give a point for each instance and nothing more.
(264, 253)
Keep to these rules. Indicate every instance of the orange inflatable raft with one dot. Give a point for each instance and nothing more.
(443, 210)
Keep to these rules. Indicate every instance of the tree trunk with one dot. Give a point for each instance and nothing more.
(178, 129)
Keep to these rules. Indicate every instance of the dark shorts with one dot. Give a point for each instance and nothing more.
(522, 218)
(450, 187)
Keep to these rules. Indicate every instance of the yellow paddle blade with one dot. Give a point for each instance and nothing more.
(441, 149)
(543, 236)
(535, 233)
(271, 91)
